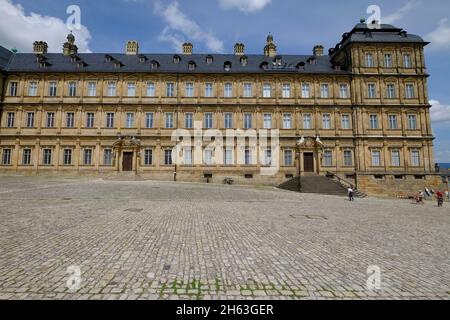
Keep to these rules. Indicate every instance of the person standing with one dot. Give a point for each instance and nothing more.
(440, 199)
(351, 194)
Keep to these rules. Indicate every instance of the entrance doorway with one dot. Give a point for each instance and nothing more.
(127, 162)
(308, 162)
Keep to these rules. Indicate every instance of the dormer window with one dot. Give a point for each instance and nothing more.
(209, 59)
(277, 61)
(192, 65)
(368, 34)
(403, 34)
(264, 65)
(244, 61)
(176, 59)
(142, 59)
(154, 65)
(227, 66)
(108, 58)
(301, 66)
(312, 60)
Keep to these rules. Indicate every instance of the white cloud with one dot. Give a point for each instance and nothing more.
(246, 6)
(18, 30)
(400, 13)
(440, 37)
(180, 26)
(440, 113)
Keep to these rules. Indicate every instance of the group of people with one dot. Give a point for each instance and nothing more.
(418, 198)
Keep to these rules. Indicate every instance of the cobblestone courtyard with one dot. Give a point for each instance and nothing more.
(158, 240)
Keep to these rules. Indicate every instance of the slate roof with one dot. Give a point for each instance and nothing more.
(5, 55)
(97, 62)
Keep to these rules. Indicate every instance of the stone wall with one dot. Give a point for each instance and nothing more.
(398, 185)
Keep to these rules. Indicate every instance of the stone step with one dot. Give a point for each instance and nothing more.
(315, 184)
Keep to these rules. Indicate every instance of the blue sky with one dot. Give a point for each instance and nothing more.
(215, 25)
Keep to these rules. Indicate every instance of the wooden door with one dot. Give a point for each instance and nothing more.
(127, 162)
(308, 162)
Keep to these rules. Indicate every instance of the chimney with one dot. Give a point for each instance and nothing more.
(69, 47)
(40, 47)
(187, 48)
(132, 48)
(239, 49)
(318, 51)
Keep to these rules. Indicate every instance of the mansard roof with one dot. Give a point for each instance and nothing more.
(96, 62)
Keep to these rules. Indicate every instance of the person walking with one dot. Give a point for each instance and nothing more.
(351, 194)
(440, 199)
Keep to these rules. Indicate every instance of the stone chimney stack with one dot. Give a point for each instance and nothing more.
(132, 48)
(69, 48)
(40, 47)
(318, 50)
(239, 49)
(270, 50)
(187, 48)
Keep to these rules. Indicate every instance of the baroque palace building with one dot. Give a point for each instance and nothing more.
(360, 112)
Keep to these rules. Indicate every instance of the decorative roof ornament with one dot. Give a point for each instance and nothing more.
(270, 50)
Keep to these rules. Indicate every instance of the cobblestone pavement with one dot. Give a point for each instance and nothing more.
(160, 240)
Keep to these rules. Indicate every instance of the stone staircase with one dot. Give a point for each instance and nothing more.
(315, 184)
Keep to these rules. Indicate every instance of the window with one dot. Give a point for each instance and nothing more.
(248, 90)
(189, 89)
(131, 89)
(324, 90)
(112, 89)
(247, 121)
(209, 90)
(409, 91)
(87, 157)
(390, 91)
(129, 120)
(305, 90)
(168, 157)
(415, 158)
(92, 89)
(67, 157)
(267, 157)
(369, 60)
(407, 60)
(228, 157)
(50, 119)
(107, 157)
(345, 121)
(376, 158)
(412, 122)
(26, 157)
(286, 90)
(395, 158)
(267, 121)
(170, 89)
(90, 117)
(188, 156)
(343, 91)
(388, 60)
(110, 120)
(30, 119)
(373, 121)
(348, 158)
(326, 121)
(287, 121)
(228, 120)
(13, 88)
(169, 120)
(288, 159)
(328, 158)
(189, 120)
(149, 120)
(6, 158)
(47, 157)
(228, 90)
(10, 120)
(247, 157)
(208, 120)
(151, 89)
(267, 90)
(371, 91)
(72, 89)
(148, 157)
(307, 121)
(32, 88)
(52, 88)
(208, 157)
(70, 119)
(393, 124)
